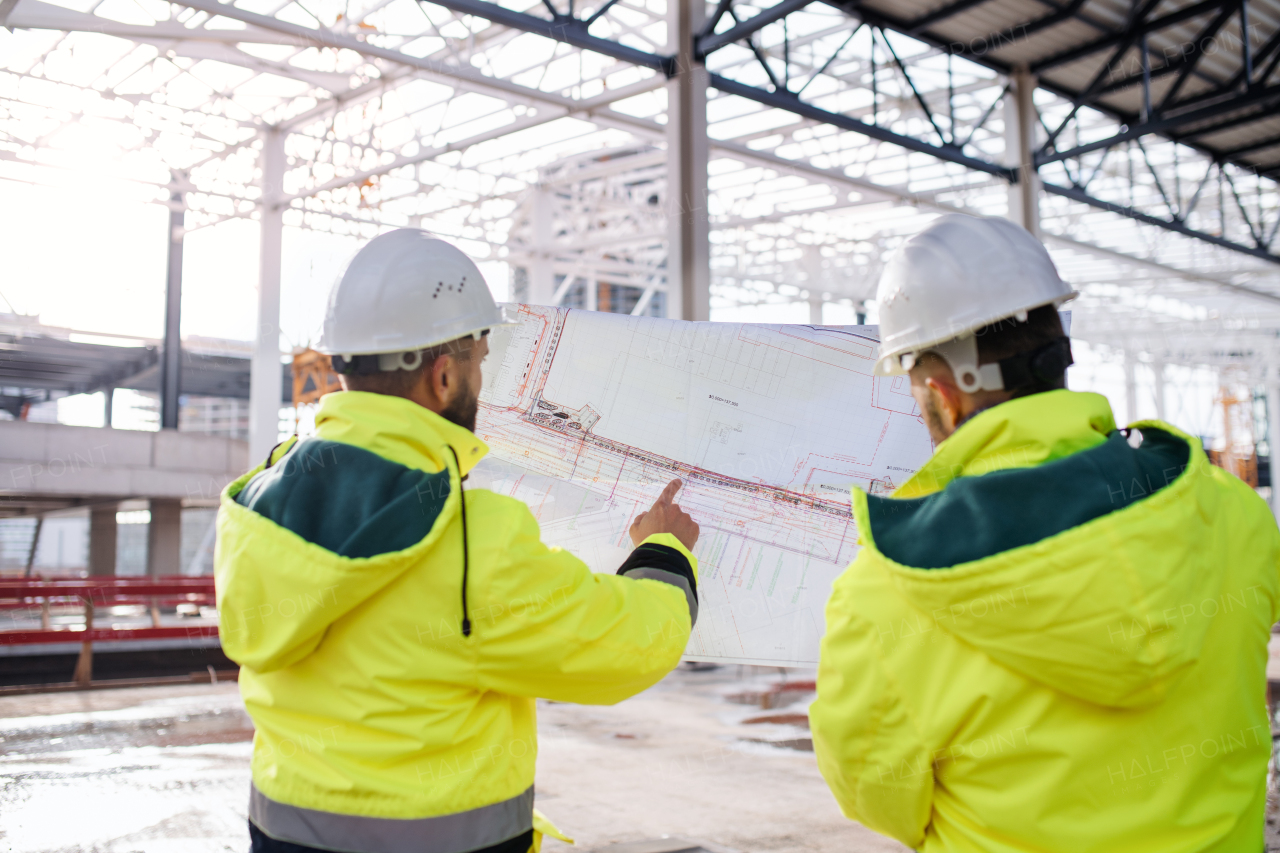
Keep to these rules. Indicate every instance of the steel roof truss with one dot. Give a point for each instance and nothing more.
(562, 28)
(744, 30)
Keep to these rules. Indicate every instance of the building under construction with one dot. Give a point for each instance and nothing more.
(745, 161)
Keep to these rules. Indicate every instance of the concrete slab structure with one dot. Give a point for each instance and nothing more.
(55, 466)
(50, 467)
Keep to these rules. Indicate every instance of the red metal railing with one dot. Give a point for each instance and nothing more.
(106, 591)
(95, 593)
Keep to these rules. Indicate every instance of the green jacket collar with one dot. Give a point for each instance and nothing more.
(1018, 433)
(397, 429)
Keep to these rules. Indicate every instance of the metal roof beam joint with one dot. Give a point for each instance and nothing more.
(705, 45)
(1081, 196)
(562, 28)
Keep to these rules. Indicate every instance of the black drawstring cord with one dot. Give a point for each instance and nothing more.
(466, 562)
(272, 451)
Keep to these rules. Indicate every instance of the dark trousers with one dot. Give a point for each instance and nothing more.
(260, 842)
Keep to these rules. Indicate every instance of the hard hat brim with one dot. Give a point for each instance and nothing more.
(504, 319)
(889, 363)
(889, 366)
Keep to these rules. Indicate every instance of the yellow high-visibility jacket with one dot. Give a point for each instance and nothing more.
(382, 725)
(1055, 640)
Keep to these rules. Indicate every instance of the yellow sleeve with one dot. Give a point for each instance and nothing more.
(868, 746)
(549, 627)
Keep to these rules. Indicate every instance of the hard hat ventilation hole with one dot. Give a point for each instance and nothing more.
(968, 380)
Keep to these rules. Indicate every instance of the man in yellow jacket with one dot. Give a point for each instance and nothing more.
(393, 628)
(1055, 635)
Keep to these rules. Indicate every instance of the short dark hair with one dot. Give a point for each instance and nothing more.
(1009, 337)
(400, 383)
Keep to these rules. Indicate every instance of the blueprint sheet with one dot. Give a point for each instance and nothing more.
(588, 415)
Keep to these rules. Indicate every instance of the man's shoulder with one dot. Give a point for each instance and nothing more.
(347, 499)
(865, 589)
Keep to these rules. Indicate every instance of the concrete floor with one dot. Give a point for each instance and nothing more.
(163, 769)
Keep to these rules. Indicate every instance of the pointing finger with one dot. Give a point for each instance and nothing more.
(669, 492)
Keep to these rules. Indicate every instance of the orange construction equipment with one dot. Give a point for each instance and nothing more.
(313, 377)
(1239, 454)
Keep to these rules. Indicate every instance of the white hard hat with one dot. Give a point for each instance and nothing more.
(406, 291)
(954, 277)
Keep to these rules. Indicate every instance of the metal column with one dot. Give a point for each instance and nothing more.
(542, 277)
(1020, 127)
(164, 537)
(171, 359)
(264, 371)
(813, 282)
(1130, 387)
(103, 537)
(35, 546)
(1157, 370)
(689, 241)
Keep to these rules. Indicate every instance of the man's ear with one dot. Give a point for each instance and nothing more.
(948, 397)
(439, 380)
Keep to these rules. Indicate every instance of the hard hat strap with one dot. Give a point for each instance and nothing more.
(389, 362)
(962, 355)
(1040, 368)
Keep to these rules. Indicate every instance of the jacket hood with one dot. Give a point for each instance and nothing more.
(332, 521)
(1051, 543)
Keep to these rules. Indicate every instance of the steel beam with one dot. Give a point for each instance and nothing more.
(708, 44)
(1260, 97)
(942, 13)
(36, 15)
(1169, 225)
(1158, 268)
(1128, 34)
(265, 380)
(475, 79)
(927, 201)
(562, 28)
(790, 103)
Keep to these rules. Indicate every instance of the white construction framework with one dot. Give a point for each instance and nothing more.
(632, 156)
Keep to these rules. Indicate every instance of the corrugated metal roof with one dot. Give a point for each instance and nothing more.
(1092, 53)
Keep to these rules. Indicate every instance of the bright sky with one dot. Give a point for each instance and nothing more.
(94, 261)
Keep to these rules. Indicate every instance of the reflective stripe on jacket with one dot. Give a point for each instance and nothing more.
(1054, 640)
(380, 726)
